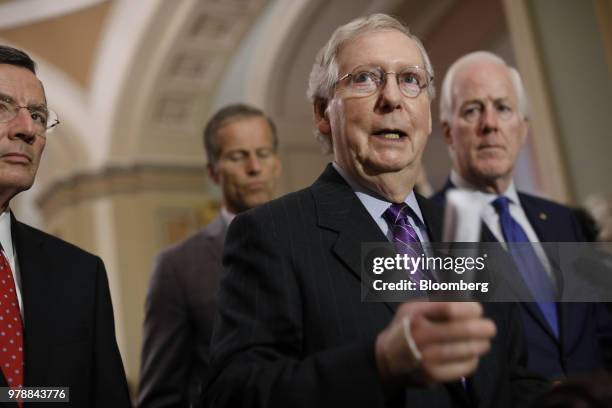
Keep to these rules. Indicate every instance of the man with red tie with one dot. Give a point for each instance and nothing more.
(56, 317)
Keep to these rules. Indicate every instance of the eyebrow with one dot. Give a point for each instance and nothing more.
(479, 100)
(36, 106)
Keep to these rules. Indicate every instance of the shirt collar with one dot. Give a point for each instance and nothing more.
(227, 216)
(6, 238)
(462, 183)
(374, 203)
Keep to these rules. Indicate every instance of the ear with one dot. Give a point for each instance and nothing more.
(446, 134)
(321, 119)
(524, 130)
(212, 173)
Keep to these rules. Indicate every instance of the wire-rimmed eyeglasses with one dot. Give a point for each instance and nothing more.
(44, 119)
(366, 80)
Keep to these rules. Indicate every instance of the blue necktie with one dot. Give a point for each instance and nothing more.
(529, 265)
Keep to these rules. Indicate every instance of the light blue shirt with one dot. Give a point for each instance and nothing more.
(376, 207)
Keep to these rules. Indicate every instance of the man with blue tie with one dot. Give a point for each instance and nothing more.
(483, 110)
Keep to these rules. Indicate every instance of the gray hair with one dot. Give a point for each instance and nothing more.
(324, 73)
(446, 97)
(228, 114)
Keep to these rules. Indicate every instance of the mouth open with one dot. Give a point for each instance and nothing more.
(390, 134)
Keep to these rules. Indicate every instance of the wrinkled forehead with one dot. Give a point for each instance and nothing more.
(21, 85)
(483, 80)
(387, 48)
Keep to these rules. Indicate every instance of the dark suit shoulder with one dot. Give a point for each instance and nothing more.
(281, 211)
(542, 203)
(188, 245)
(211, 235)
(53, 244)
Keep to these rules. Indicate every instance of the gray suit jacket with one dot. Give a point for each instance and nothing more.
(180, 307)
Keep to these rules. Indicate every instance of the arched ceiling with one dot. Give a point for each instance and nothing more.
(134, 81)
(130, 80)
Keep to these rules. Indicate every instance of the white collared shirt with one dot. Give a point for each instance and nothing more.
(376, 207)
(6, 239)
(227, 216)
(491, 218)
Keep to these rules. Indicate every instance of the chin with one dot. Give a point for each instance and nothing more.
(16, 183)
(390, 165)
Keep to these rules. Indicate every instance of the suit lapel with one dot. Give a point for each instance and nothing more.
(215, 233)
(517, 285)
(339, 210)
(432, 216)
(543, 224)
(539, 220)
(35, 286)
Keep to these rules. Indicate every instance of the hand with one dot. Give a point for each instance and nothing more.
(450, 338)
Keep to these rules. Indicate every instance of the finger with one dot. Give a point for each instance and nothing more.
(442, 311)
(449, 372)
(425, 332)
(455, 352)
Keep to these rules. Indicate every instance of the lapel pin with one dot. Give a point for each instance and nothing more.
(543, 216)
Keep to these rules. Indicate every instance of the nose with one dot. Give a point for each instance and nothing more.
(489, 120)
(390, 95)
(253, 165)
(23, 127)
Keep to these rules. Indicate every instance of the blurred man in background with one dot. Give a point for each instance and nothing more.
(242, 150)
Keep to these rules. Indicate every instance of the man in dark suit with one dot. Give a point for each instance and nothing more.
(483, 109)
(292, 330)
(241, 146)
(56, 327)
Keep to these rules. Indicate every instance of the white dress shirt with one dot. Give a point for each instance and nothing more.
(227, 216)
(491, 218)
(377, 206)
(6, 239)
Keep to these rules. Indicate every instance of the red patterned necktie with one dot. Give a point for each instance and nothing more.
(11, 328)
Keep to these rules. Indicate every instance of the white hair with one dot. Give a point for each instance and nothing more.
(446, 97)
(324, 73)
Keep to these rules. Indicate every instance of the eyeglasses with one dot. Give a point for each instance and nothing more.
(367, 80)
(44, 119)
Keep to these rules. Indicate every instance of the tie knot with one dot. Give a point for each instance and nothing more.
(396, 213)
(502, 204)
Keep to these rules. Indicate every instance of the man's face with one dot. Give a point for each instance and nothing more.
(486, 130)
(20, 146)
(364, 129)
(248, 167)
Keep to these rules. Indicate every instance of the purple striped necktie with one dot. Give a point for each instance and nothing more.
(405, 238)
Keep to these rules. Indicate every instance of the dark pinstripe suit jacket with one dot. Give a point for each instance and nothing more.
(292, 330)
